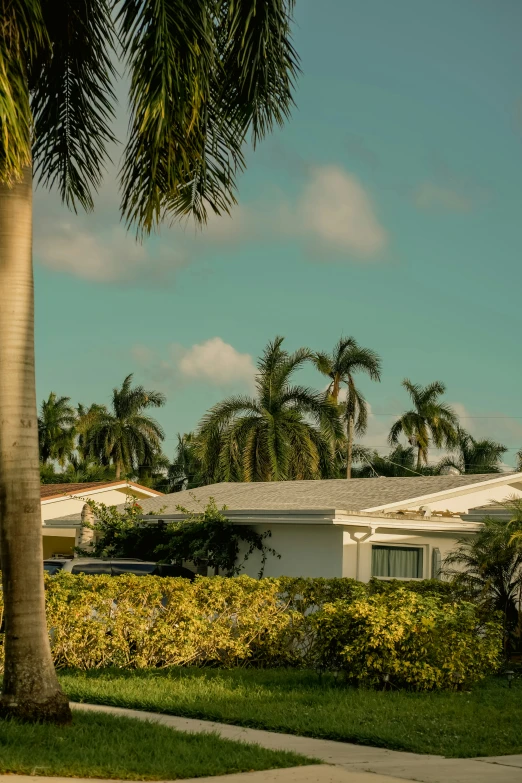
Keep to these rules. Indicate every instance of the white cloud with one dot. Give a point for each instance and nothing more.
(217, 362)
(213, 361)
(336, 210)
(332, 211)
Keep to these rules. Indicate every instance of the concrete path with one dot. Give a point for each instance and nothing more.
(318, 773)
(385, 765)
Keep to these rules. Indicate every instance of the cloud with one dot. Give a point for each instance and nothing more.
(217, 362)
(111, 256)
(332, 212)
(430, 196)
(336, 211)
(213, 361)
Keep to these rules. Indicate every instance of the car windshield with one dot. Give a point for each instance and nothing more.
(53, 568)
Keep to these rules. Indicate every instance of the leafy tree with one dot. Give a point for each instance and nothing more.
(518, 457)
(204, 538)
(474, 456)
(202, 74)
(488, 565)
(56, 429)
(125, 436)
(285, 432)
(430, 420)
(347, 359)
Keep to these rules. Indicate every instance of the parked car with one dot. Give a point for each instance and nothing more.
(116, 567)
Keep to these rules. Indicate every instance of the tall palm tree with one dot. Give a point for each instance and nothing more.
(474, 456)
(284, 432)
(125, 436)
(430, 420)
(347, 359)
(56, 429)
(203, 75)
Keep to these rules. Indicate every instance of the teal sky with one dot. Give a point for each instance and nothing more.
(388, 208)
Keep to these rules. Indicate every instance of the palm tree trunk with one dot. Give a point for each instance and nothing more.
(349, 446)
(118, 471)
(30, 689)
(419, 458)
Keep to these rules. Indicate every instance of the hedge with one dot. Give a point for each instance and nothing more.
(421, 639)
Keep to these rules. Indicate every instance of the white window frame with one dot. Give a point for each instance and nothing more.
(425, 561)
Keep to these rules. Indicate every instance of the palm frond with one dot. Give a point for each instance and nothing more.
(72, 98)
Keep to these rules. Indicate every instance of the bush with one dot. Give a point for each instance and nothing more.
(422, 641)
(418, 641)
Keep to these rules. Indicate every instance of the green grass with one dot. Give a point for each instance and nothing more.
(103, 746)
(484, 722)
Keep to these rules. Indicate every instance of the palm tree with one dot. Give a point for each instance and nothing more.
(429, 421)
(125, 436)
(56, 429)
(186, 471)
(347, 359)
(474, 456)
(202, 76)
(488, 565)
(79, 470)
(284, 432)
(518, 457)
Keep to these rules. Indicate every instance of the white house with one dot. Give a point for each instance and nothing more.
(59, 500)
(386, 527)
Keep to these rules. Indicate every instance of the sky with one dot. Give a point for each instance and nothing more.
(388, 208)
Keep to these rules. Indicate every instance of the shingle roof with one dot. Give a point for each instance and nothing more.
(48, 491)
(353, 495)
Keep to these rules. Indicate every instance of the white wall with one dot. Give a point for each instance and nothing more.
(306, 550)
(62, 506)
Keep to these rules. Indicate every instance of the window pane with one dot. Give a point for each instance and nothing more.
(140, 569)
(397, 562)
(92, 568)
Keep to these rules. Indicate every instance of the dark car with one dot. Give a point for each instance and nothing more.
(116, 567)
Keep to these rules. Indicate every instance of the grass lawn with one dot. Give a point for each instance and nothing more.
(103, 746)
(485, 722)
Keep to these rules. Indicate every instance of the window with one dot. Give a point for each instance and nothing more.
(397, 562)
(92, 568)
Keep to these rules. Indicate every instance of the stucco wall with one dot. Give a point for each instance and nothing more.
(306, 550)
(57, 545)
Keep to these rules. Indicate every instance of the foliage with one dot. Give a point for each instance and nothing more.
(418, 641)
(399, 462)
(423, 640)
(56, 429)
(489, 566)
(206, 538)
(474, 456)
(125, 436)
(186, 470)
(202, 75)
(285, 432)
(428, 421)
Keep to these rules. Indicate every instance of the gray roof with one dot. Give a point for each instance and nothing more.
(353, 495)
(338, 494)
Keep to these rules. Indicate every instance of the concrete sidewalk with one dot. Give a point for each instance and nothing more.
(385, 765)
(319, 773)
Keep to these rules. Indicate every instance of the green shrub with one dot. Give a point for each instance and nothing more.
(422, 641)
(419, 642)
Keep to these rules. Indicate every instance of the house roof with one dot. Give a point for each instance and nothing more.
(367, 494)
(49, 491)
